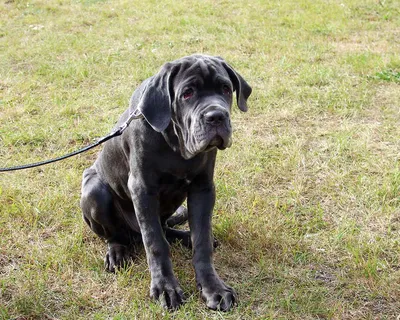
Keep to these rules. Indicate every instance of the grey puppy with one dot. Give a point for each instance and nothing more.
(141, 178)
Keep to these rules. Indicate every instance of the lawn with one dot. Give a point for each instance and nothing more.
(308, 197)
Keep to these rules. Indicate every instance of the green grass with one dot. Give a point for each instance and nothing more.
(308, 206)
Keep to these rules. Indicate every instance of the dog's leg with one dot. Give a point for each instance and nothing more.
(213, 290)
(174, 235)
(164, 285)
(178, 218)
(99, 213)
(183, 236)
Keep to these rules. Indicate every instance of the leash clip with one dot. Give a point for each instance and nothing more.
(136, 114)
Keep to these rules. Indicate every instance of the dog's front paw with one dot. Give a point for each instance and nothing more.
(217, 295)
(167, 291)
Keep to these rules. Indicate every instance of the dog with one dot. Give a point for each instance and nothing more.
(134, 191)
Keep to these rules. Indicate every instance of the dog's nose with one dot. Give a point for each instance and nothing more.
(215, 117)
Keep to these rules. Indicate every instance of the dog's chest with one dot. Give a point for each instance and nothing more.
(170, 184)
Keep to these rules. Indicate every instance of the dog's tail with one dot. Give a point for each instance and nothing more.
(178, 218)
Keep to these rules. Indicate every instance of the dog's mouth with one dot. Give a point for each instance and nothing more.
(219, 141)
(207, 139)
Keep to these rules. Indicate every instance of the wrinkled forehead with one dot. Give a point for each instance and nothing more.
(200, 72)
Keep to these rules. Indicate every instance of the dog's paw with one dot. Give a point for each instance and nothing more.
(217, 295)
(168, 292)
(117, 256)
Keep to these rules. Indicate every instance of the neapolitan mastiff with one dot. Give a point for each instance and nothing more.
(141, 178)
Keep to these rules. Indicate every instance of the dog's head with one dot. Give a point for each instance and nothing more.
(195, 94)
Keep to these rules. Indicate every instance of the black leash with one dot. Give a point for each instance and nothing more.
(134, 115)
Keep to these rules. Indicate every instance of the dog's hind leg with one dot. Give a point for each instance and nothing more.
(175, 235)
(100, 213)
(178, 218)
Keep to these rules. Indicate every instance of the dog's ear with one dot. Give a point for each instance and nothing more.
(242, 88)
(155, 102)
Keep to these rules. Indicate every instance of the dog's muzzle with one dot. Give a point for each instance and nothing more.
(217, 128)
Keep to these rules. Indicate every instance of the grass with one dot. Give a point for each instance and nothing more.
(308, 206)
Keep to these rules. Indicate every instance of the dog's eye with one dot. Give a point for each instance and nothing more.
(187, 94)
(227, 90)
